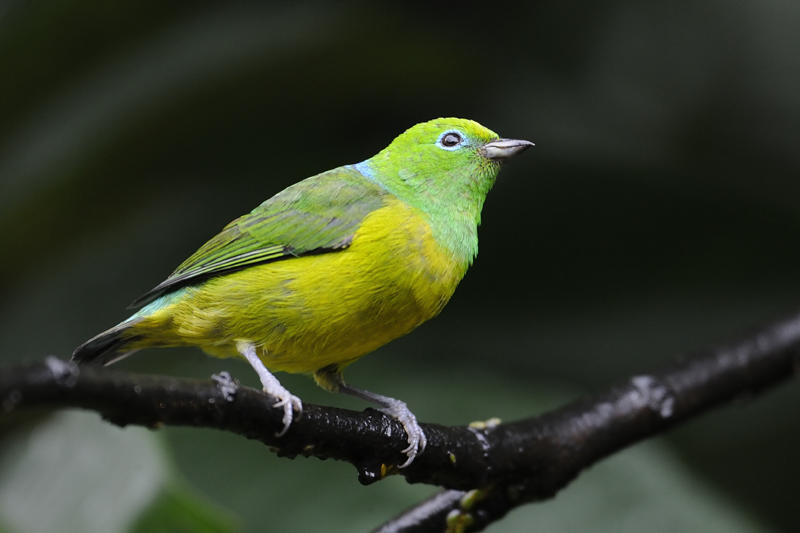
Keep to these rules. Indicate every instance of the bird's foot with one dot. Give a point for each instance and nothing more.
(288, 401)
(416, 437)
(270, 384)
(330, 378)
(226, 385)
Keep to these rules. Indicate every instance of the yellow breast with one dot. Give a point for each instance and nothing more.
(310, 312)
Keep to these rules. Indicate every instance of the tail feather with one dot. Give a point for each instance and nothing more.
(106, 348)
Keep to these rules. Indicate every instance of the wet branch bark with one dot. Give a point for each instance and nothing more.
(513, 463)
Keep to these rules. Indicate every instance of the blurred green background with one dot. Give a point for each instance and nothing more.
(658, 214)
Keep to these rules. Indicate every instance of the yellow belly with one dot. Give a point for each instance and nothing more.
(309, 312)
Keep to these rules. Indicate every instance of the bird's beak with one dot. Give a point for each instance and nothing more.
(504, 148)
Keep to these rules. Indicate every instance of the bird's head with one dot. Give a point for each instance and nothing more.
(445, 161)
(450, 142)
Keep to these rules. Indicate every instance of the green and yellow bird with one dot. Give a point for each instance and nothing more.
(330, 268)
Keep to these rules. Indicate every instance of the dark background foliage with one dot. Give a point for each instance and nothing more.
(658, 213)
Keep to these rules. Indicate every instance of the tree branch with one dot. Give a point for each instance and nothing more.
(515, 462)
(553, 448)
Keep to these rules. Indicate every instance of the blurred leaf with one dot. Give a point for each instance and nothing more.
(76, 473)
(178, 510)
(642, 489)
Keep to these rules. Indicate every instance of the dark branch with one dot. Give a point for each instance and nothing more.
(515, 462)
(532, 459)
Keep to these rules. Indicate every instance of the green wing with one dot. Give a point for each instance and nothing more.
(319, 214)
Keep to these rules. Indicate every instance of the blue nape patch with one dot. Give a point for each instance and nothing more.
(365, 170)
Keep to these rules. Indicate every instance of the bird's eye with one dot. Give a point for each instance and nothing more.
(451, 139)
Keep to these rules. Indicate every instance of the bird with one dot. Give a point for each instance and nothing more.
(330, 268)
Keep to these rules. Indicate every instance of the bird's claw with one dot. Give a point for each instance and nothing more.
(416, 437)
(290, 403)
(270, 384)
(226, 384)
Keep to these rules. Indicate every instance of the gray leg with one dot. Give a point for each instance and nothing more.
(272, 386)
(331, 379)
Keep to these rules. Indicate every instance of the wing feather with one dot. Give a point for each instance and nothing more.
(317, 215)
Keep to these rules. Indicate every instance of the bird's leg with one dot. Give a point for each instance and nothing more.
(272, 386)
(330, 378)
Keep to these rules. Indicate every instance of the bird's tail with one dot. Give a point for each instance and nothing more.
(107, 347)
